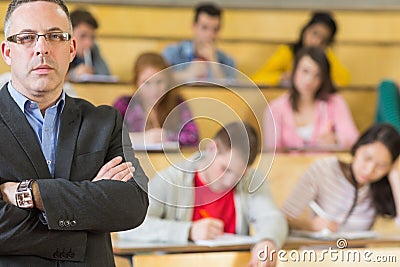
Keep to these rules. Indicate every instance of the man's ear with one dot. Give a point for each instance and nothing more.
(72, 49)
(6, 52)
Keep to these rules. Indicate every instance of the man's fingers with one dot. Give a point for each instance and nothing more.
(109, 165)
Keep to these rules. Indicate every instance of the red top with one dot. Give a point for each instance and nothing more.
(216, 205)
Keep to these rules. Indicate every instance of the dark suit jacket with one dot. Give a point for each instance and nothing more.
(80, 213)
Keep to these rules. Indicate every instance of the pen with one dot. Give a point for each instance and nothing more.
(204, 214)
(87, 56)
(319, 211)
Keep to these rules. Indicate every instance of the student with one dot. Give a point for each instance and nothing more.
(312, 114)
(88, 59)
(65, 169)
(388, 106)
(209, 194)
(146, 114)
(319, 31)
(203, 47)
(351, 194)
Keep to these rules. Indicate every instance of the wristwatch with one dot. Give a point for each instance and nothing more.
(24, 195)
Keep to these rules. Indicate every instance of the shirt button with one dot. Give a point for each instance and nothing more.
(46, 129)
(48, 162)
(32, 105)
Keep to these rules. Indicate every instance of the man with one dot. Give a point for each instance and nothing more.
(210, 195)
(88, 59)
(65, 167)
(203, 48)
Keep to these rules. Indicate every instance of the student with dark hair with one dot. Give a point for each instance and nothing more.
(88, 59)
(312, 114)
(354, 192)
(210, 194)
(319, 31)
(206, 27)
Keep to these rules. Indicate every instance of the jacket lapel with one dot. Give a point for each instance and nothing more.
(16, 121)
(67, 138)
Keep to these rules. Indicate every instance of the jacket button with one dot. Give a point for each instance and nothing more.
(67, 223)
(73, 223)
(61, 223)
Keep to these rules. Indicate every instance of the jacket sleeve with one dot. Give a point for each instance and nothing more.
(105, 205)
(280, 62)
(268, 221)
(345, 129)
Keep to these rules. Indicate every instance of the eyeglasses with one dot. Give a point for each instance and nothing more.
(29, 39)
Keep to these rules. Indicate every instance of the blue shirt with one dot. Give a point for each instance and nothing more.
(46, 128)
(184, 52)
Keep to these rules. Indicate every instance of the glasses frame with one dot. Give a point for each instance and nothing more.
(13, 38)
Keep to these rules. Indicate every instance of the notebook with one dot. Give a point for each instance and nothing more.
(227, 240)
(325, 234)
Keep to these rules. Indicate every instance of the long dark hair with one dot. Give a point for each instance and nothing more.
(317, 17)
(326, 88)
(381, 190)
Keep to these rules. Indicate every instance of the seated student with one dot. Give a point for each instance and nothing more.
(146, 114)
(352, 193)
(388, 106)
(203, 47)
(88, 59)
(209, 195)
(311, 114)
(319, 31)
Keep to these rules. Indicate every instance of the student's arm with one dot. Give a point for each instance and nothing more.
(298, 201)
(344, 126)
(340, 75)
(163, 222)
(277, 65)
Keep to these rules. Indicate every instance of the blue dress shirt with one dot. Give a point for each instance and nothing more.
(46, 128)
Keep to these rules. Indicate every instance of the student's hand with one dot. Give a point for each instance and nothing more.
(328, 138)
(82, 69)
(255, 253)
(319, 223)
(115, 169)
(207, 50)
(154, 135)
(208, 228)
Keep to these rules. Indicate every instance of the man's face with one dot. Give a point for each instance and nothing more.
(38, 68)
(84, 35)
(206, 28)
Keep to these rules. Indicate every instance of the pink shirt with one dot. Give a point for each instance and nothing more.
(333, 114)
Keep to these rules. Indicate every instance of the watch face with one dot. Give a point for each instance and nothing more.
(24, 199)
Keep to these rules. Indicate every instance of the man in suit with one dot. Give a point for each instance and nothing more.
(68, 174)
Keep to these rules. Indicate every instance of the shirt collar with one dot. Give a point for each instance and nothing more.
(21, 100)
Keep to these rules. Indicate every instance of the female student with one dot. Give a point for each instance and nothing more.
(156, 114)
(319, 31)
(351, 194)
(312, 114)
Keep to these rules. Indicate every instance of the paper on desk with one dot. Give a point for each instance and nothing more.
(328, 235)
(227, 240)
(156, 146)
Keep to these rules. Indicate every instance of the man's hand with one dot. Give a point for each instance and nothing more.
(255, 253)
(115, 169)
(208, 228)
(207, 50)
(8, 190)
